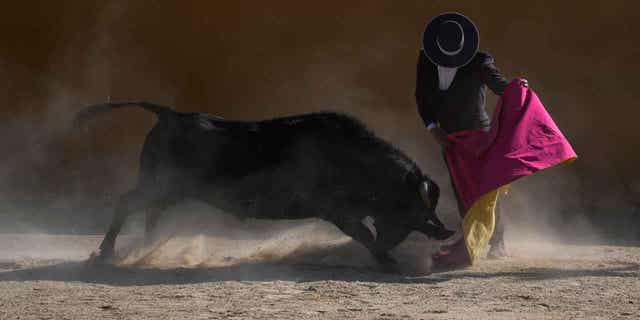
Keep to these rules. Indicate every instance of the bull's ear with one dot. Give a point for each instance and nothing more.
(430, 193)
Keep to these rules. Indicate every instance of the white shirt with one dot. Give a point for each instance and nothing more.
(445, 77)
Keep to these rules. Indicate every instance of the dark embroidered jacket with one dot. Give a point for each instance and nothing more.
(462, 106)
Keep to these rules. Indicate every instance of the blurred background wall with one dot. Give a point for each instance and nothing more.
(256, 60)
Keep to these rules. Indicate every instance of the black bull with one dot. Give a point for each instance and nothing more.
(320, 165)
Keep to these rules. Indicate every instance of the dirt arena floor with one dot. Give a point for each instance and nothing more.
(46, 276)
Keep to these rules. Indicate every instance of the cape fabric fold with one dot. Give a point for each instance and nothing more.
(522, 140)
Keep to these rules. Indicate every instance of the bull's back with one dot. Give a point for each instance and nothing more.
(292, 167)
(234, 149)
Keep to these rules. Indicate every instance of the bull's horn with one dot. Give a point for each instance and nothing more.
(451, 240)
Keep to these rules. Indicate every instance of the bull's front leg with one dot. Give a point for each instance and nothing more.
(433, 231)
(359, 232)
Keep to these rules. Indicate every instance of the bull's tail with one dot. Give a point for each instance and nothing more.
(91, 111)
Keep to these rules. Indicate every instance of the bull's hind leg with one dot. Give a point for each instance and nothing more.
(151, 218)
(131, 201)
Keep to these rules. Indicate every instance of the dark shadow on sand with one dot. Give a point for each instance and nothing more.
(128, 276)
(625, 270)
(280, 271)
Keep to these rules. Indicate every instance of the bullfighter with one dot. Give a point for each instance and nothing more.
(483, 156)
(452, 76)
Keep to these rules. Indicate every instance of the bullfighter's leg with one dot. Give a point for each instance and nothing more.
(132, 201)
(359, 232)
(498, 249)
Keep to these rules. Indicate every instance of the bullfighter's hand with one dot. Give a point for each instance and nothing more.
(441, 137)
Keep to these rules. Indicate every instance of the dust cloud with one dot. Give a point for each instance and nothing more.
(194, 234)
(247, 62)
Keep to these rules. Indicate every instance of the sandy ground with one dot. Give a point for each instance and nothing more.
(45, 277)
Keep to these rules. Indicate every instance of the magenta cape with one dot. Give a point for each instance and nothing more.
(522, 140)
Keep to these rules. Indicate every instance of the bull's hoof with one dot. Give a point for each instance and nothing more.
(102, 258)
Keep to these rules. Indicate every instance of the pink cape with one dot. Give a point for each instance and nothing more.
(522, 140)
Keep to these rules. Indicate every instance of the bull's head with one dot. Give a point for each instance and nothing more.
(430, 193)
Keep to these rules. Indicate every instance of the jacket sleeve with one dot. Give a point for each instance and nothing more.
(425, 109)
(492, 76)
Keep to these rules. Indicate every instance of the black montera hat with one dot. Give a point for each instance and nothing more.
(450, 40)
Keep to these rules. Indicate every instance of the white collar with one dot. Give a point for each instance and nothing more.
(445, 77)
